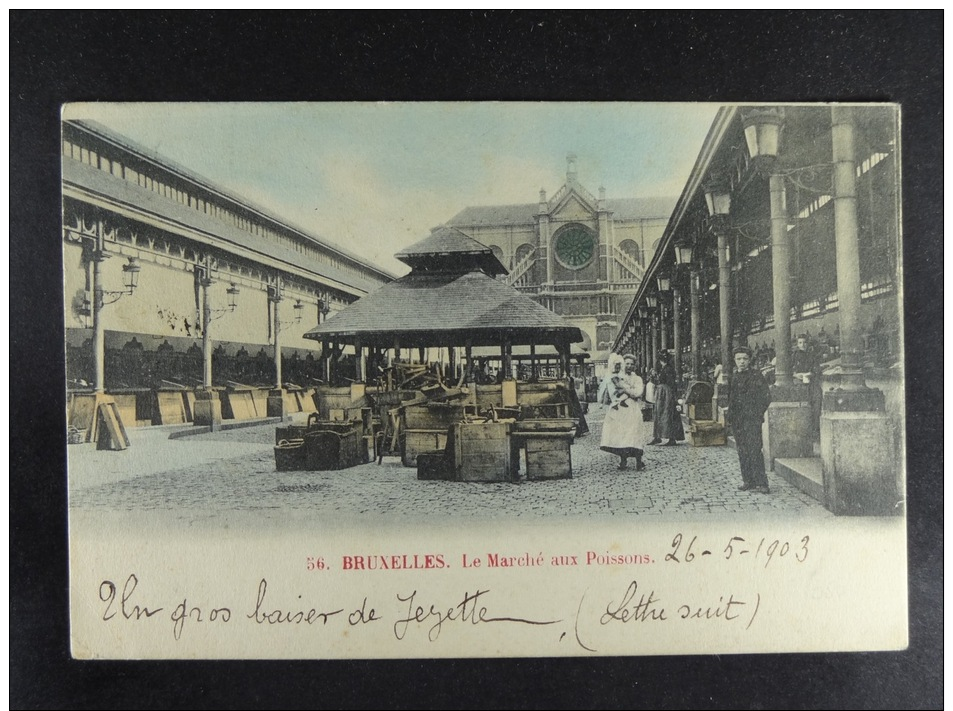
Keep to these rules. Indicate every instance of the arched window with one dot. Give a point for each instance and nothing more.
(498, 253)
(521, 252)
(632, 250)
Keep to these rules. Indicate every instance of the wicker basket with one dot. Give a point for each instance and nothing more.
(290, 455)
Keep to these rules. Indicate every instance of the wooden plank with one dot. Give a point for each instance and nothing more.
(112, 433)
(170, 408)
(82, 411)
(508, 393)
(485, 430)
(307, 401)
(126, 406)
(240, 403)
(489, 447)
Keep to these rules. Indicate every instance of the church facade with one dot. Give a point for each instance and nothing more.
(579, 255)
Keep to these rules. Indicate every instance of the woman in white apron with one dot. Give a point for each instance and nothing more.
(624, 433)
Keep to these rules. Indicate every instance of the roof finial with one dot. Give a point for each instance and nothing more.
(570, 167)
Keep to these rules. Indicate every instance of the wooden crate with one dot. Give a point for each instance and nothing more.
(432, 466)
(431, 417)
(549, 457)
(547, 443)
(422, 440)
(481, 452)
(700, 411)
(707, 433)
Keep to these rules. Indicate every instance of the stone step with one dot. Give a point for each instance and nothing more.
(806, 473)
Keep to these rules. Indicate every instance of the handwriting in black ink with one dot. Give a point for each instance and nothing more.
(107, 594)
(262, 616)
(469, 610)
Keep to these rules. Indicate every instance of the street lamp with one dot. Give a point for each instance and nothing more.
(299, 308)
(651, 301)
(718, 198)
(664, 282)
(683, 254)
(762, 128)
(130, 274)
(232, 292)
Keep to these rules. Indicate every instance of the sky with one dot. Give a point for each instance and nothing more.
(376, 177)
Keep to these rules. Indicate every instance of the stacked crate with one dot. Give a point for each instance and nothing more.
(481, 451)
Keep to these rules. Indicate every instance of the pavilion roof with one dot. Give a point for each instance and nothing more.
(446, 308)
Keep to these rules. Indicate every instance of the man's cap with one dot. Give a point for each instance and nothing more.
(629, 356)
(742, 349)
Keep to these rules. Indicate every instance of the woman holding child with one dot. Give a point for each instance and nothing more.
(623, 432)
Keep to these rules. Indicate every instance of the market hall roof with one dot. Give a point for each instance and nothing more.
(125, 192)
(622, 209)
(445, 308)
(447, 300)
(449, 249)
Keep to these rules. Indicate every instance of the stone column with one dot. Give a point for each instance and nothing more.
(653, 356)
(787, 426)
(724, 299)
(99, 330)
(545, 247)
(677, 331)
(663, 321)
(781, 270)
(695, 297)
(276, 396)
(846, 248)
(858, 451)
(277, 332)
(359, 363)
(208, 406)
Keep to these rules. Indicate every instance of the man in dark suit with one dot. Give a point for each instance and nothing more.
(748, 399)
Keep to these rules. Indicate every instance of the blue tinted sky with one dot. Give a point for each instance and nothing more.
(375, 178)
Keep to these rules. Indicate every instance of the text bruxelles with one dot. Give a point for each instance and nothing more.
(393, 562)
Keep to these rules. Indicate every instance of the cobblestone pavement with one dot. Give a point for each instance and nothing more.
(208, 477)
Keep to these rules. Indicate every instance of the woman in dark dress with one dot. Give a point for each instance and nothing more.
(668, 422)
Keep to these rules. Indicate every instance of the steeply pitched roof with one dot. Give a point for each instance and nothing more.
(496, 215)
(622, 209)
(445, 308)
(91, 180)
(447, 248)
(104, 133)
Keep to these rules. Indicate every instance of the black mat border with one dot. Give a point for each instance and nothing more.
(223, 56)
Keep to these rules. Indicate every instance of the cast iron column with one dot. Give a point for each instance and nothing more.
(99, 332)
(846, 247)
(277, 302)
(781, 272)
(677, 331)
(654, 331)
(724, 300)
(695, 297)
(663, 344)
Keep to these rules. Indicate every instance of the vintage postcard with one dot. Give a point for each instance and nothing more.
(424, 380)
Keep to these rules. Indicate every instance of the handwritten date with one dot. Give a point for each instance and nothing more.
(738, 547)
